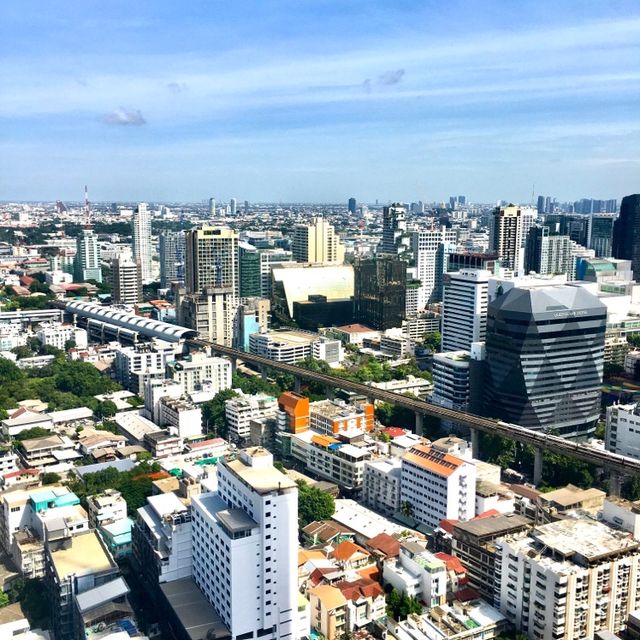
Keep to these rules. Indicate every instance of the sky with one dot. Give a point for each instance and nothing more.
(319, 100)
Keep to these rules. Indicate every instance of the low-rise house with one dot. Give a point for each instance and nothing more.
(22, 419)
(49, 450)
(323, 532)
(163, 444)
(417, 573)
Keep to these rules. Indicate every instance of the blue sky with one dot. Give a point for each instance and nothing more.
(318, 100)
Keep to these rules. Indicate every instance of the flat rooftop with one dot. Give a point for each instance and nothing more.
(262, 480)
(494, 525)
(586, 538)
(84, 556)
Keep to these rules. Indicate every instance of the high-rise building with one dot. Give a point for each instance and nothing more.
(380, 286)
(126, 279)
(141, 234)
(317, 243)
(352, 206)
(431, 249)
(255, 269)
(211, 259)
(567, 579)
(509, 229)
(626, 233)
(87, 260)
(602, 234)
(171, 249)
(427, 472)
(245, 547)
(212, 313)
(233, 206)
(462, 200)
(212, 207)
(623, 425)
(544, 357)
(464, 309)
(547, 254)
(540, 205)
(395, 239)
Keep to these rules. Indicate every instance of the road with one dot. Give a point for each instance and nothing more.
(611, 461)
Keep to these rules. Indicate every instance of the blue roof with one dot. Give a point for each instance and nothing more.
(43, 496)
(119, 527)
(67, 499)
(120, 465)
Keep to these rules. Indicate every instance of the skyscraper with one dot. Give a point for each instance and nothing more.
(601, 234)
(352, 206)
(380, 289)
(626, 233)
(540, 205)
(126, 281)
(431, 249)
(171, 249)
(87, 260)
(141, 232)
(547, 254)
(212, 207)
(509, 228)
(317, 243)
(464, 309)
(544, 358)
(211, 259)
(233, 206)
(245, 547)
(395, 239)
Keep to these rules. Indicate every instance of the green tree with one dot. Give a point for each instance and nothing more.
(22, 351)
(50, 478)
(313, 504)
(34, 432)
(399, 606)
(213, 413)
(432, 341)
(631, 488)
(70, 344)
(4, 599)
(106, 409)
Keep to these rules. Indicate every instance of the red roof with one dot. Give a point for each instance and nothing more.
(27, 281)
(448, 525)
(386, 544)
(487, 514)
(453, 563)
(20, 472)
(394, 432)
(207, 443)
(466, 594)
(362, 588)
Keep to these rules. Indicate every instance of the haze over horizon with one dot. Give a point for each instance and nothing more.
(316, 101)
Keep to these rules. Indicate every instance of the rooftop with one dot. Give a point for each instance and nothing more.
(493, 525)
(430, 459)
(84, 556)
(262, 480)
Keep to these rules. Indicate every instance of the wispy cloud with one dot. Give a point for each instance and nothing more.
(177, 87)
(124, 117)
(389, 78)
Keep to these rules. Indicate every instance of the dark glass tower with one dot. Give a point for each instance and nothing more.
(380, 290)
(544, 358)
(626, 233)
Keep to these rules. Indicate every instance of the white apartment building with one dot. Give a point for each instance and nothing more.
(162, 538)
(436, 485)
(245, 541)
(568, 579)
(134, 366)
(292, 346)
(622, 432)
(240, 411)
(199, 370)
(126, 280)
(155, 389)
(430, 250)
(417, 573)
(12, 336)
(331, 351)
(57, 335)
(464, 308)
(337, 462)
(106, 507)
(181, 416)
(141, 236)
(381, 485)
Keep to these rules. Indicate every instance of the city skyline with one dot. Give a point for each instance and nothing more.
(319, 102)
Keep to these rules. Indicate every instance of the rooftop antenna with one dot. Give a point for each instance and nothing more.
(533, 194)
(87, 207)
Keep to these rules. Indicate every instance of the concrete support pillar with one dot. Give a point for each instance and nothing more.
(297, 384)
(537, 466)
(330, 392)
(234, 365)
(475, 443)
(263, 372)
(615, 484)
(419, 424)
